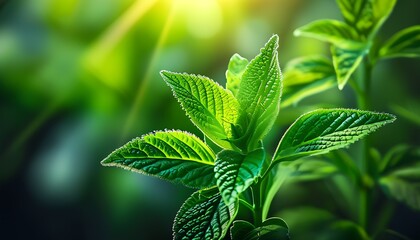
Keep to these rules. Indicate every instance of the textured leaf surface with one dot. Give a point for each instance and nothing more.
(332, 31)
(405, 43)
(367, 16)
(172, 155)
(404, 185)
(345, 63)
(272, 228)
(235, 172)
(324, 130)
(260, 90)
(204, 216)
(307, 76)
(210, 107)
(236, 68)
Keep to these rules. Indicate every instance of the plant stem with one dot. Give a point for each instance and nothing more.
(364, 104)
(256, 192)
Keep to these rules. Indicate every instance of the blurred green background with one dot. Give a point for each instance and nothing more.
(80, 78)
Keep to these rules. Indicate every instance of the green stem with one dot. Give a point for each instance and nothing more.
(256, 192)
(364, 103)
(246, 204)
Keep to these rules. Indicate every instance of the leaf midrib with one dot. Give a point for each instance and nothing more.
(165, 158)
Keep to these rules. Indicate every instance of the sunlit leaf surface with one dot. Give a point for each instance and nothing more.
(172, 155)
(210, 107)
(324, 130)
(259, 92)
(236, 68)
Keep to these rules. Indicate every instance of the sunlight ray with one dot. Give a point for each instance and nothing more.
(114, 35)
(147, 76)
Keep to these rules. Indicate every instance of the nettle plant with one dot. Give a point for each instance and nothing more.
(240, 174)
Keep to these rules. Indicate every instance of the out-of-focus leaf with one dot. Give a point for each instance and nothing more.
(204, 216)
(409, 111)
(335, 32)
(308, 169)
(405, 43)
(345, 229)
(346, 165)
(240, 228)
(272, 228)
(210, 107)
(320, 224)
(307, 76)
(324, 130)
(307, 69)
(259, 93)
(398, 157)
(346, 62)
(366, 16)
(294, 94)
(171, 155)
(404, 185)
(235, 172)
(236, 68)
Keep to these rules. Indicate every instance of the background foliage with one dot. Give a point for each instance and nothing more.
(80, 78)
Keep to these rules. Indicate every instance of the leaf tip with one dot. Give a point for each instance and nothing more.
(391, 117)
(164, 73)
(274, 40)
(341, 85)
(106, 162)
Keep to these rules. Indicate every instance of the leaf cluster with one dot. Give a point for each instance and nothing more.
(352, 40)
(237, 117)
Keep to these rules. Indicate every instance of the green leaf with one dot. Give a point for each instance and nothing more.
(272, 228)
(345, 229)
(236, 68)
(404, 185)
(366, 16)
(307, 69)
(235, 172)
(345, 63)
(397, 157)
(307, 76)
(309, 169)
(204, 216)
(175, 156)
(240, 228)
(259, 93)
(410, 110)
(405, 43)
(323, 130)
(335, 32)
(210, 107)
